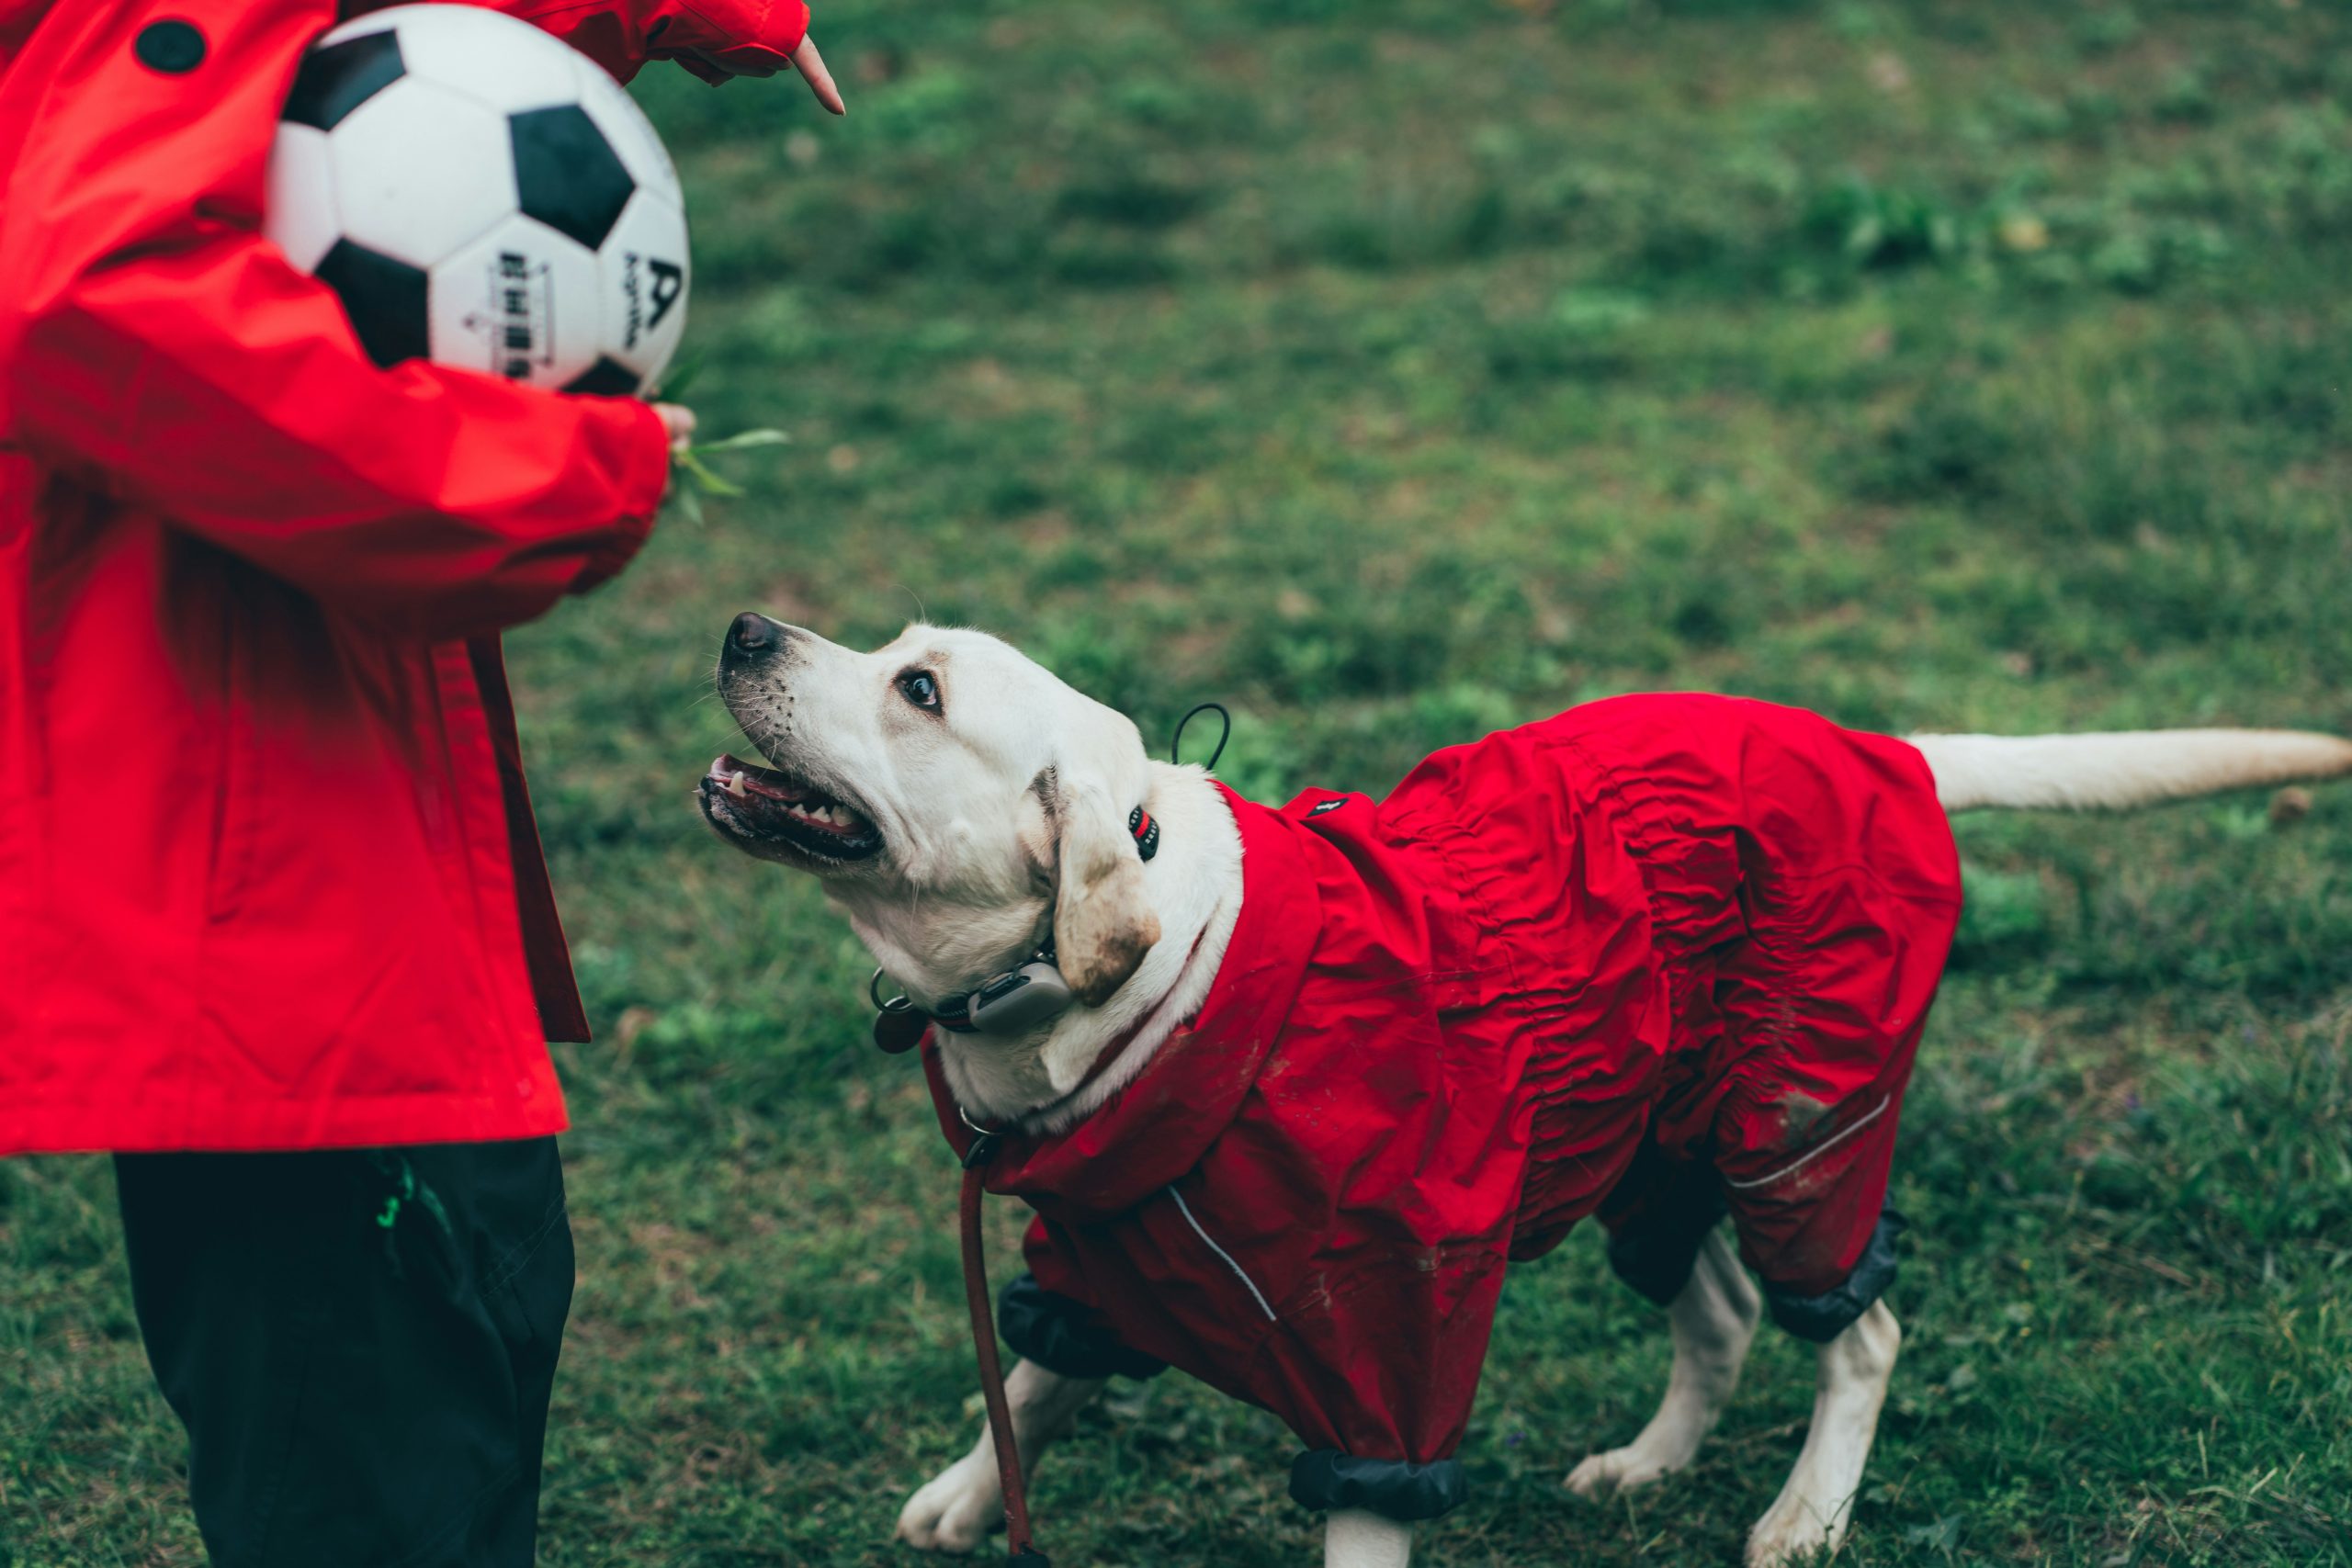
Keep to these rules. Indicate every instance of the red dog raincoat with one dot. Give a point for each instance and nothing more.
(269, 878)
(1696, 930)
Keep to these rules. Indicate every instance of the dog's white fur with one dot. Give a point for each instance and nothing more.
(1004, 814)
(2122, 768)
(1711, 1320)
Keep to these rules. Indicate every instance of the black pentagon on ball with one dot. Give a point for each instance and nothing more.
(608, 378)
(337, 79)
(566, 173)
(386, 299)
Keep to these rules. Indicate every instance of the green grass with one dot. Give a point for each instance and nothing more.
(1394, 371)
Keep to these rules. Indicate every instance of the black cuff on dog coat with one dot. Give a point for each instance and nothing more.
(1053, 1332)
(1326, 1479)
(1656, 1253)
(1822, 1317)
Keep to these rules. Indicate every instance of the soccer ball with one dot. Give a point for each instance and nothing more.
(483, 196)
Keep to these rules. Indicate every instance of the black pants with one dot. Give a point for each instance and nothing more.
(361, 1344)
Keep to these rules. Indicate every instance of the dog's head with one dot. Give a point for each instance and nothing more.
(951, 794)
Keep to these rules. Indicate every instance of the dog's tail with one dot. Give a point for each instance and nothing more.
(2122, 768)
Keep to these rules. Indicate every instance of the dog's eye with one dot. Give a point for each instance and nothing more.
(917, 687)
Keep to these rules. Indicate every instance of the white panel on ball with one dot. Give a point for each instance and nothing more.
(477, 192)
(483, 54)
(645, 277)
(517, 302)
(298, 211)
(624, 125)
(381, 21)
(415, 126)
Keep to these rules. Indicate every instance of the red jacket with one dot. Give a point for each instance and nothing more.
(1447, 1021)
(269, 878)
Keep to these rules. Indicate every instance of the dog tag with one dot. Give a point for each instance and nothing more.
(901, 1032)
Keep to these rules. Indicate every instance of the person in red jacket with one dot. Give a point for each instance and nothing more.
(268, 875)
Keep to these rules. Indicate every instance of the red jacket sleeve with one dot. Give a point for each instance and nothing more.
(713, 39)
(158, 347)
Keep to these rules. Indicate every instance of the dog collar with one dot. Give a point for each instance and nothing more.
(1040, 995)
(1017, 999)
(1145, 831)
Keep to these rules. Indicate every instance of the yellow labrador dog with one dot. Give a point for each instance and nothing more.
(1064, 904)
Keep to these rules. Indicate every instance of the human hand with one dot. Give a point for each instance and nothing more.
(715, 64)
(679, 422)
(811, 66)
(686, 455)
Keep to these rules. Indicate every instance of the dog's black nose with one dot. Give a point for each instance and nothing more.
(754, 632)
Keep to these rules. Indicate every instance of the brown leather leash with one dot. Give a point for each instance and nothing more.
(1018, 1549)
(901, 1026)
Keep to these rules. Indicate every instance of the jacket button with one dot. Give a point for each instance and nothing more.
(173, 47)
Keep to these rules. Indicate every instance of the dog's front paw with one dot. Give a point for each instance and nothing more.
(1791, 1532)
(1618, 1470)
(957, 1509)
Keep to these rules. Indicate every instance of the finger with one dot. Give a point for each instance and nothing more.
(811, 65)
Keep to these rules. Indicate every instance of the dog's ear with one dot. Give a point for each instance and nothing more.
(1103, 924)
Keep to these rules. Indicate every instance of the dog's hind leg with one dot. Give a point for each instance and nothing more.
(959, 1507)
(1713, 1318)
(1355, 1539)
(1812, 1509)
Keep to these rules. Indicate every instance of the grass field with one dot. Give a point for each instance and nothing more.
(1393, 372)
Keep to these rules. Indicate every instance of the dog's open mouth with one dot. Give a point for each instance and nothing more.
(763, 809)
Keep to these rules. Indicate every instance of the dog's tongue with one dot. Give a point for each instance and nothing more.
(739, 778)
